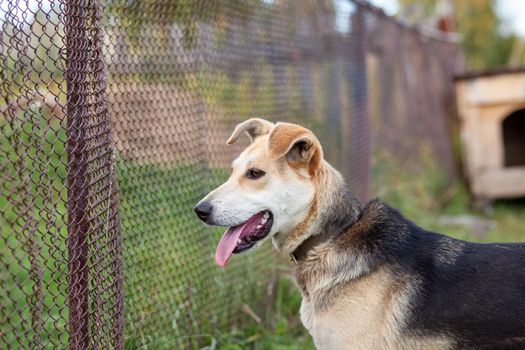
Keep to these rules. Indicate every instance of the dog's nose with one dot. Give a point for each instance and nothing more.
(203, 210)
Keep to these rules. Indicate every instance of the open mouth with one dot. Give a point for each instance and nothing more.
(240, 238)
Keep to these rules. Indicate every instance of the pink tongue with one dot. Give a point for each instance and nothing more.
(227, 245)
(228, 241)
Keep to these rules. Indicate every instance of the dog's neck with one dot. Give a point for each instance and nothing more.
(333, 210)
(338, 208)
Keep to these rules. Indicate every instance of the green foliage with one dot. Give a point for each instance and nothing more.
(484, 43)
(482, 39)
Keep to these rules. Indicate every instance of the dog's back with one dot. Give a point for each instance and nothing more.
(476, 294)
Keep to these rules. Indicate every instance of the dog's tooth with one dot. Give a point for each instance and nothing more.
(263, 221)
(239, 241)
(266, 215)
(259, 226)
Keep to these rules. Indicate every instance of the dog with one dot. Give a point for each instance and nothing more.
(369, 278)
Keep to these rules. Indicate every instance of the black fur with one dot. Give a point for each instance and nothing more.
(472, 292)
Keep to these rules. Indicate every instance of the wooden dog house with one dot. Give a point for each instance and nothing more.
(492, 124)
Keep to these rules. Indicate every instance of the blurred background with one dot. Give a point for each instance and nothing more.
(113, 121)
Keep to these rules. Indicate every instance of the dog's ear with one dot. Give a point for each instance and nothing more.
(299, 145)
(253, 127)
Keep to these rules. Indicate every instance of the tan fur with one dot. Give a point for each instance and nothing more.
(345, 306)
(282, 138)
(295, 235)
(367, 312)
(323, 183)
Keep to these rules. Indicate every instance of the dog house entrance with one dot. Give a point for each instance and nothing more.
(514, 138)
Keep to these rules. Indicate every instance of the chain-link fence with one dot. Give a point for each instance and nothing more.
(113, 122)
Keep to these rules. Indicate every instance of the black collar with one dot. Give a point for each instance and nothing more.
(311, 242)
(308, 244)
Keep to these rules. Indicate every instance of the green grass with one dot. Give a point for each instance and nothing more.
(280, 328)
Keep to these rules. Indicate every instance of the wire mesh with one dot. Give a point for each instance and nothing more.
(114, 117)
(33, 214)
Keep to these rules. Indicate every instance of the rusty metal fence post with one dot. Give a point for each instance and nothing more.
(94, 240)
(77, 67)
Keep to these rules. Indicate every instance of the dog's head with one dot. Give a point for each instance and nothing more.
(270, 191)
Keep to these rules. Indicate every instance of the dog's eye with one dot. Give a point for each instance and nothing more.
(254, 173)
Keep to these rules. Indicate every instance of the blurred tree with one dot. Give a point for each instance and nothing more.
(484, 43)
